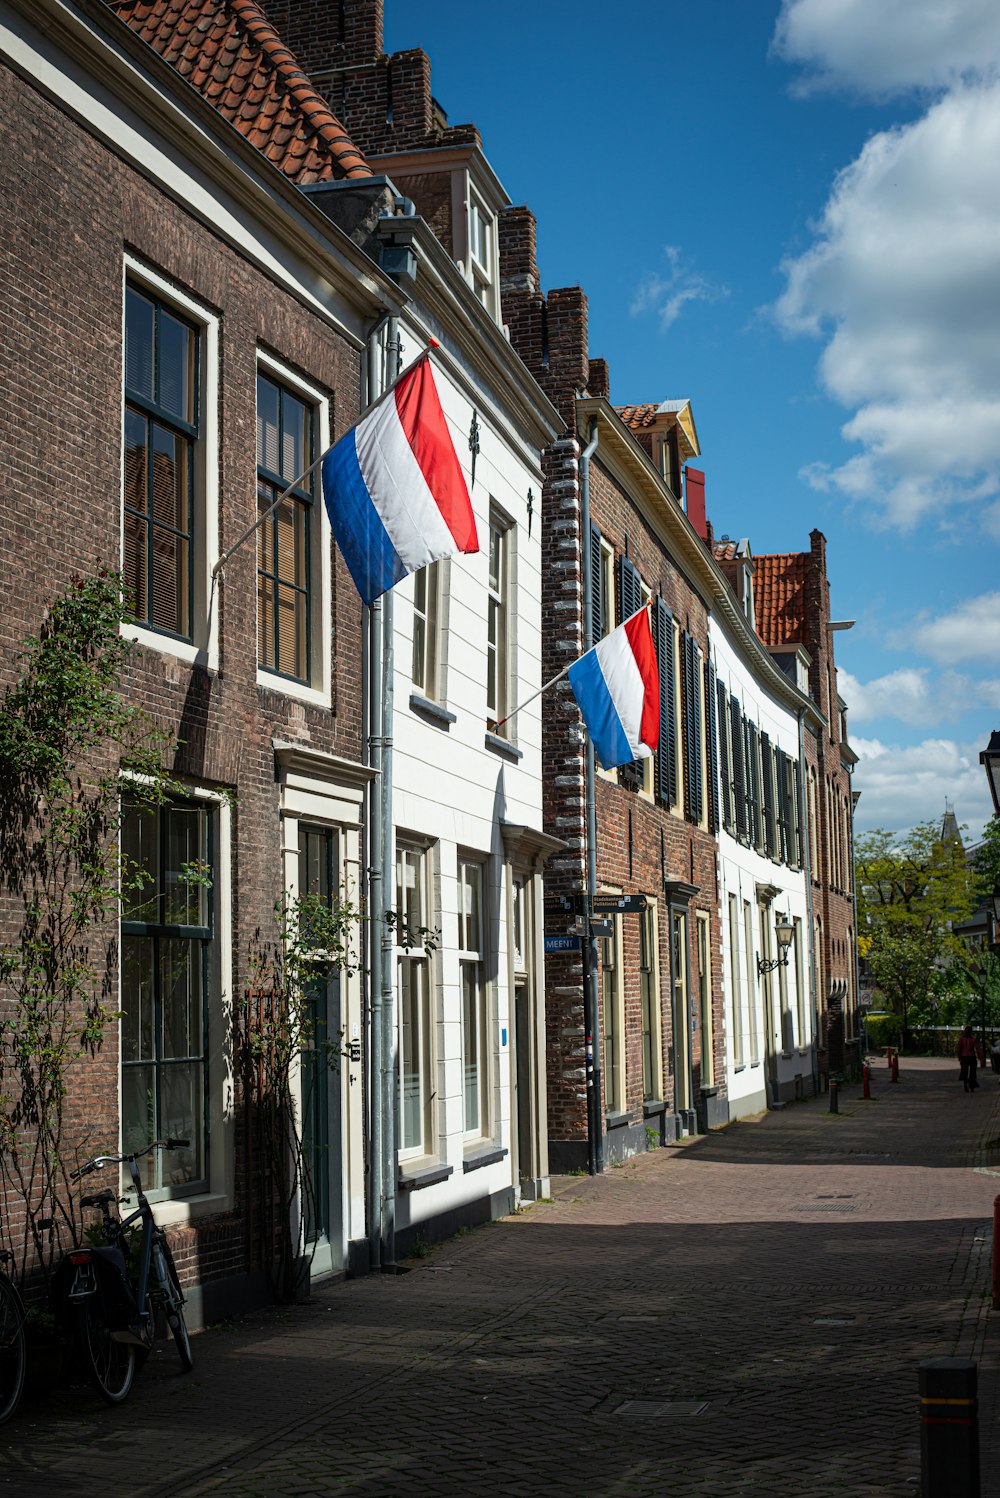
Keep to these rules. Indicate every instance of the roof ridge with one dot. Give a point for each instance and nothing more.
(316, 109)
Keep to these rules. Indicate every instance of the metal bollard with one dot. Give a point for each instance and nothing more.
(895, 1067)
(996, 1253)
(834, 1097)
(866, 1080)
(949, 1428)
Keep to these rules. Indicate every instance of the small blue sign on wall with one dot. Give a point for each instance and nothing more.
(562, 944)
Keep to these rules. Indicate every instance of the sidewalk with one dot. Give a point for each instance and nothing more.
(738, 1314)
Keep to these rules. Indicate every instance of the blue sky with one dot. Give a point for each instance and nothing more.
(789, 212)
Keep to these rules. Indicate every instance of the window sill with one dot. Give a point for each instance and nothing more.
(424, 1175)
(283, 686)
(431, 710)
(163, 644)
(177, 1212)
(617, 1120)
(652, 1108)
(501, 746)
(477, 1158)
(712, 1091)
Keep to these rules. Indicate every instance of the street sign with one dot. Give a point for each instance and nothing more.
(601, 929)
(618, 904)
(562, 944)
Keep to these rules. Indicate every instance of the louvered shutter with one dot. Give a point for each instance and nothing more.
(784, 834)
(725, 781)
(698, 741)
(739, 774)
(753, 783)
(767, 776)
(795, 821)
(596, 602)
(713, 750)
(666, 758)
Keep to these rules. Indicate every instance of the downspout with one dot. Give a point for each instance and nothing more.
(595, 1114)
(376, 888)
(387, 964)
(807, 866)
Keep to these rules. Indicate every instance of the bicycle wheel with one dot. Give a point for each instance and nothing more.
(12, 1349)
(173, 1301)
(110, 1364)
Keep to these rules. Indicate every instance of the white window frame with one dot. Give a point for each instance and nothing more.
(477, 1029)
(748, 958)
(428, 593)
(318, 690)
(501, 598)
(649, 977)
(482, 249)
(203, 648)
(736, 977)
(415, 962)
(220, 1194)
(703, 949)
(616, 998)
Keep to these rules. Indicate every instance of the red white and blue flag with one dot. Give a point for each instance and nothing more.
(394, 488)
(617, 689)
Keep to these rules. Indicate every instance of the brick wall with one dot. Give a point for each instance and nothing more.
(72, 210)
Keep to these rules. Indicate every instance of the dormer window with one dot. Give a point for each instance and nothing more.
(748, 595)
(670, 463)
(481, 250)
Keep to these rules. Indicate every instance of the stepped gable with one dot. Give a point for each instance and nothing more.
(229, 51)
(780, 597)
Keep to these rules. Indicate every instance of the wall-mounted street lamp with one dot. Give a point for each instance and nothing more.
(785, 932)
(989, 758)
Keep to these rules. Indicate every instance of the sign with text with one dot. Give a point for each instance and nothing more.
(618, 904)
(562, 944)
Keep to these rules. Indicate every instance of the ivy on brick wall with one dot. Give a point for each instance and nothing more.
(68, 735)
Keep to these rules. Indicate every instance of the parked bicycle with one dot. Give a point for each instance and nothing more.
(12, 1346)
(114, 1312)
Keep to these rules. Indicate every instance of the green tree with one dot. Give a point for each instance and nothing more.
(911, 889)
(986, 858)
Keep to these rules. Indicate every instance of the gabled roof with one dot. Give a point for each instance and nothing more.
(229, 51)
(665, 414)
(780, 597)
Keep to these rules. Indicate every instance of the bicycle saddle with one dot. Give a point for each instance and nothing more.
(98, 1199)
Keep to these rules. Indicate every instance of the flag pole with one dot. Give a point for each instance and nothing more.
(515, 710)
(433, 343)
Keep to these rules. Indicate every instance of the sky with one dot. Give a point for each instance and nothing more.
(788, 211)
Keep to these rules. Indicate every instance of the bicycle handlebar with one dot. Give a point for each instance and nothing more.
(99, 1161)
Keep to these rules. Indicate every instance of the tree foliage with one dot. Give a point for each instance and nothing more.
(912, 888)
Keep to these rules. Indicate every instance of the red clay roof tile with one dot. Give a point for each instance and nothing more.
(231, 53)
(779, 588)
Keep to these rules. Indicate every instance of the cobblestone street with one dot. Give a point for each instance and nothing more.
(739, 1314)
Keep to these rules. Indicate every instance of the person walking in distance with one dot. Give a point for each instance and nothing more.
(967, 1059)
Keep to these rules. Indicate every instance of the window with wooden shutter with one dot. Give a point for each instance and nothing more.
(666, 756)
(596, 581)
(754, 826)
(781, 775)
(725, 765)
(693, 760)
(711, 686)
(769, 830)
(739, 767)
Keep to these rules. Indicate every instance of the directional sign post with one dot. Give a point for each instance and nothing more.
(617, 904)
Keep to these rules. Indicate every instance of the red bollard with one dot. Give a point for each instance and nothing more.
(895, 1066)
(866, 1080)
(996, 1253)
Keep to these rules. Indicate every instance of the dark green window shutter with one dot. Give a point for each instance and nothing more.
(666, 758)
(596, 602)
(784, 833)
(711, 686)
(725, 783)
(796, 817)
(767, 776)
(753, 783)
(692, 730)
(739, 773)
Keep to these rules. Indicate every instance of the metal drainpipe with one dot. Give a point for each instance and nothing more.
(595, 1111)
(807, 865)
(387, 1067)
(376, 888)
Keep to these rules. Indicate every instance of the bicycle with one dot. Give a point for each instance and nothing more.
(13, 1354)
(115, 1317)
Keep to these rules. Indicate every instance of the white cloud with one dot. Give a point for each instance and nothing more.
(884, 47)
(667, 295)
(970, 632)
(903, 785)
(914, 695)
(903, 281)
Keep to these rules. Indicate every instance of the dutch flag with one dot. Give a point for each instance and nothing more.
(394, 488)
(617, 689)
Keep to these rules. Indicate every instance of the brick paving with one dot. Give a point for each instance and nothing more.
(739, 1314)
